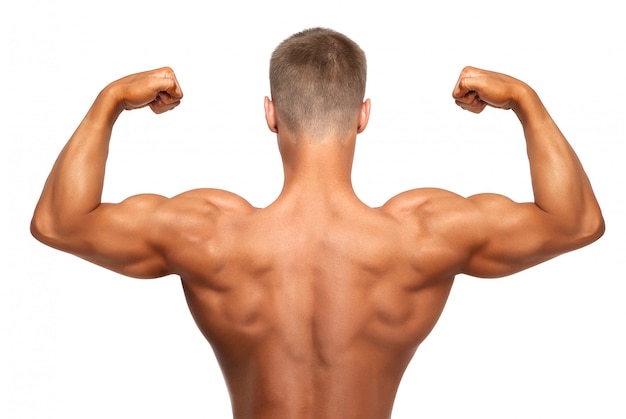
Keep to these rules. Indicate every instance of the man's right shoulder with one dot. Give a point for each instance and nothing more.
(438, 210)
(422, 199)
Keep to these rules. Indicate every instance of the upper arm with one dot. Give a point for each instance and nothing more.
(486, 235)
(504, 237)
(141, 236)
(125, 237)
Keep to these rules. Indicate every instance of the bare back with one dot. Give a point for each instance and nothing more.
(315, 305)
(312, 311)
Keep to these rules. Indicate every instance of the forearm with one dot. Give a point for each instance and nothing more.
(74, 186)
(560, 185)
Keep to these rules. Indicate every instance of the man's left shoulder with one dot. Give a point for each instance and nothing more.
(216, 199)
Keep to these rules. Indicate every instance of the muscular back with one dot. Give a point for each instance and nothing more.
(315, 305)
(312, 310)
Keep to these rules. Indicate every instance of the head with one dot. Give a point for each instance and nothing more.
(317, 83)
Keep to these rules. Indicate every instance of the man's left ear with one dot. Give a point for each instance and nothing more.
(364, 116)
(270, 115)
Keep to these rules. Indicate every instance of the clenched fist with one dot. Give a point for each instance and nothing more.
(478, 88)
(158, 89)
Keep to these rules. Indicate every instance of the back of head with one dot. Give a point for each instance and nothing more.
(317, 82)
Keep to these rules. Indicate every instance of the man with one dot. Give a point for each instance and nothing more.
(315, 305)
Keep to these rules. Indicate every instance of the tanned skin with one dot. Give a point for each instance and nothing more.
(315, 305)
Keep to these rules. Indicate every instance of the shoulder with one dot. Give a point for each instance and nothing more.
(195, 212)
(440, 214)
(184, 225)
(424, 201)
(215, 201)
(443, 228)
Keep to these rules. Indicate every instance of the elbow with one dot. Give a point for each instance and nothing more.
(44, 229)
(40, 229)
(596, 229)
(590, 228)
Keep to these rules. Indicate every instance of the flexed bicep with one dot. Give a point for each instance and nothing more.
(70, 215)
(509, 237)
(124, 237)
(564, 215)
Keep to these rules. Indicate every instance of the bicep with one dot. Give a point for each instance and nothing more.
(123, 237)
(508, 237)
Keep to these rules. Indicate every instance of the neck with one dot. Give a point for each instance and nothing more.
(317, 168)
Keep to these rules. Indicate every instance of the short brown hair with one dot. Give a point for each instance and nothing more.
(317, 81)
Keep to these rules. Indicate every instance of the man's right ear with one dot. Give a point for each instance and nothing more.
(364, 116)
(270, 115)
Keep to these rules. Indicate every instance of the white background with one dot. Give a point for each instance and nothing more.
(77, 341)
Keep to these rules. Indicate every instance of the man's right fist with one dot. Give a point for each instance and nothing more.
(478, 88)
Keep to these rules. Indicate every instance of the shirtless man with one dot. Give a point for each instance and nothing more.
(315, 305)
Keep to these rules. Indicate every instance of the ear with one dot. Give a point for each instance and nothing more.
(364, 116)
(270, 115)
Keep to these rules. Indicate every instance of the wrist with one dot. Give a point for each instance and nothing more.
(108, 105)
(527, 105)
